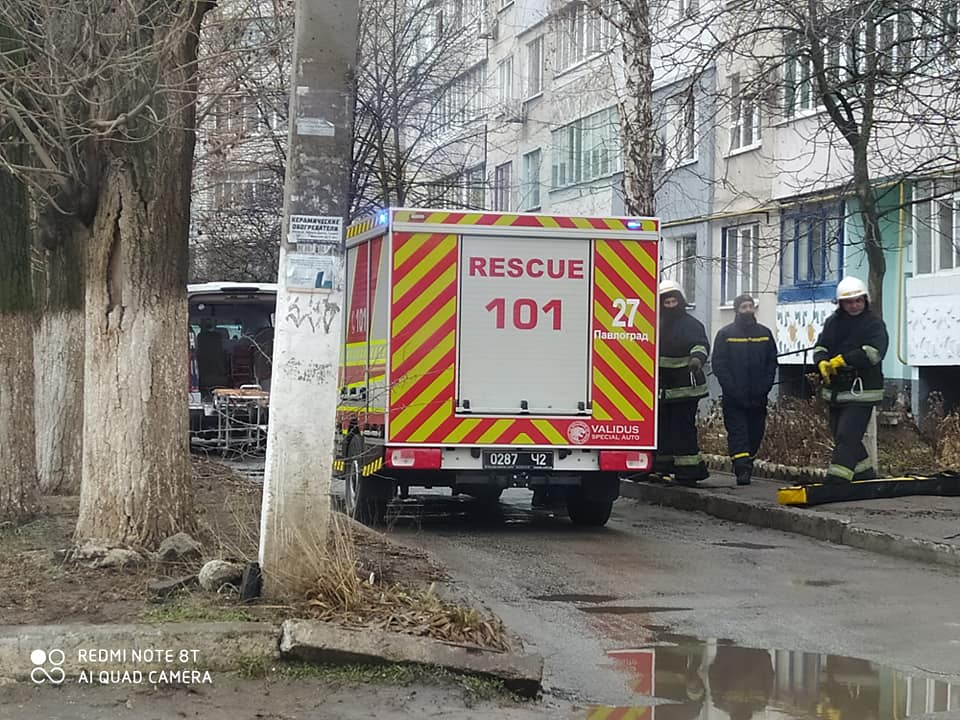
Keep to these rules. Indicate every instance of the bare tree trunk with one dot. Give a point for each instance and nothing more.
(136, 485)
(18, 469)
(58, 400)
(135, 466)
(58, 357)
(636, 114)
(876, 260)
(19, 496)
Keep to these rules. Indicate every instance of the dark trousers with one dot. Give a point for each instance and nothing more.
(678, 449)
(850, 461)
(745, 426)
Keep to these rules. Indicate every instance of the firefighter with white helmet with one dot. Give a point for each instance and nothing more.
(683, 349)
(849, 355)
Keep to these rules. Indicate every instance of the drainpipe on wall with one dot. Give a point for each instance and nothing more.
(900, 354)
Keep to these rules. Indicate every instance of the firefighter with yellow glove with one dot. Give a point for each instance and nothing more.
(684, 349)
(849, 356)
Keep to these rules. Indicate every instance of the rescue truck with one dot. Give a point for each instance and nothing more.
(485, 350)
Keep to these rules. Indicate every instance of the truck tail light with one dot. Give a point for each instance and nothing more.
(637, 460)
(414, 458)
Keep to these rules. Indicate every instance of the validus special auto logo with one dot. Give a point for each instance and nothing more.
(578, 432)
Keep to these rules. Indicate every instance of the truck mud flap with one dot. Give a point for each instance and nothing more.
(944, 483)
(601, 487)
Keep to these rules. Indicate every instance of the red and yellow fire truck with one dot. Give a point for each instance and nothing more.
(492, 350)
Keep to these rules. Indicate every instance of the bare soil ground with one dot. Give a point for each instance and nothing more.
(314, 696)
(39, 589)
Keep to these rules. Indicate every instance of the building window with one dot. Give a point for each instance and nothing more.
(475, 184)
(587, 149)
(744, 116)
(583, 31)
(535, 67)
(740, 257)
(505, 79)
(811, 245)
(687, 249)
(799, 88)
(530, 180)
(502, 186)
(459, 102)
(936, 227)
(680, 136)
(246, 189)
(237, 114)
(680, 264)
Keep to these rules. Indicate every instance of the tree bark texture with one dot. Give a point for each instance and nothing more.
(19, 496)
(18, 469)
(58, 354)
(58, 399)
(136, 486)
(636, 111)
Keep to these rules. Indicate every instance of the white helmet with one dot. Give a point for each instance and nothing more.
(850, 288)
(671, 286)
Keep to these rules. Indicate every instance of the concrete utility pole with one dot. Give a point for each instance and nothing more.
(304, 389)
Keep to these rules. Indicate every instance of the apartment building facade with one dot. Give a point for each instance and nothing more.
(753, 185)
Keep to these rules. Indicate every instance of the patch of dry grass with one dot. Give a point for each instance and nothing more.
(363, 580)
(798, 434)
(345, 593)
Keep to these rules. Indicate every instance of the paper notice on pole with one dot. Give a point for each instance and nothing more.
(309, 272)
(311, 230)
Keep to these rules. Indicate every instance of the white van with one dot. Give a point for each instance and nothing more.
(231, 352)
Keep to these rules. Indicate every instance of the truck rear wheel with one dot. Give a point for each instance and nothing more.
(588, 513)
(366, 496)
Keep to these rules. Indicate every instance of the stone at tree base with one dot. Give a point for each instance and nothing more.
(98, 554)
(216, 573)
(119, 557)
(178, 548)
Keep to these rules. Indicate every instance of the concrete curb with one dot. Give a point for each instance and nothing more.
(818, 525)
(207, 646)
(319, 641)
(791, 474)
(192, 649)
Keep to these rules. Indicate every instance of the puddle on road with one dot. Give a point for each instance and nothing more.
(629, 609)
(574, 597)
(685, 678)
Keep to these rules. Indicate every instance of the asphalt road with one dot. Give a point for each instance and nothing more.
(696, 597)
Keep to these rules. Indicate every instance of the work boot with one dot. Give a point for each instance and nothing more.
(743, 469)
(868, 474)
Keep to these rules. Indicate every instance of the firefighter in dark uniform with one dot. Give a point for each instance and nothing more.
(745, 363)
(683, 353)
(848, 354)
